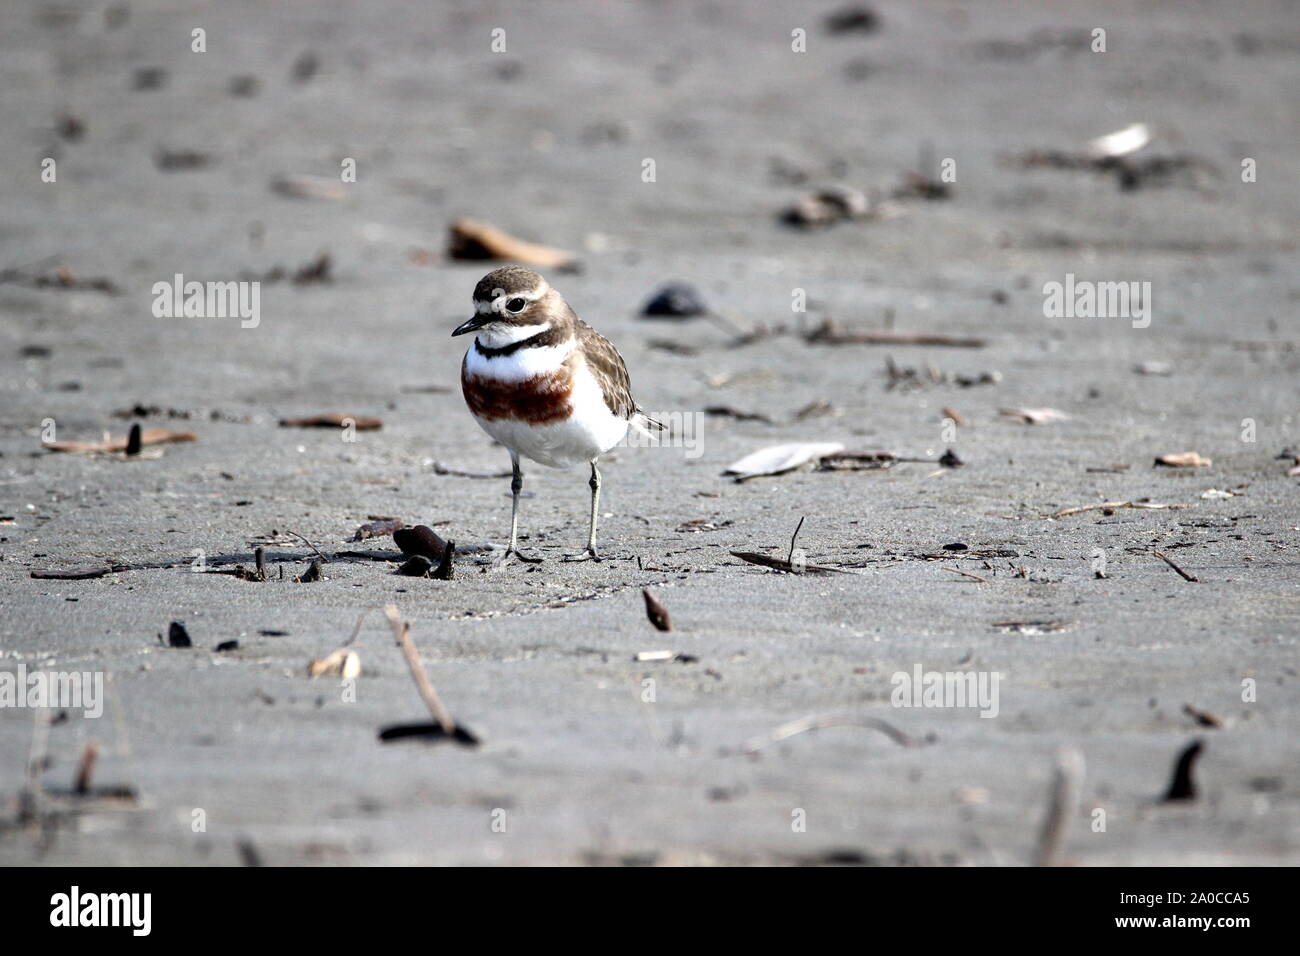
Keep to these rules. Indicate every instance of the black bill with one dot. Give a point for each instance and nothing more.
(472, 325)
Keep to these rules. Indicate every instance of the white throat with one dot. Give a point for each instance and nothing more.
(522, 364)
(499, 335)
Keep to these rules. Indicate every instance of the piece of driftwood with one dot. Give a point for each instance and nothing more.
(149, 436)
(828, 333)
(443, 727)
(472, 239)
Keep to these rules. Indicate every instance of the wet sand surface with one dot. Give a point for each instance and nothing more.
(547, 140)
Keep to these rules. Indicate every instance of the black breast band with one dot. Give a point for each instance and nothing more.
(545, 337)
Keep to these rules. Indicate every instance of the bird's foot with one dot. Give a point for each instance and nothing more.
(510, 557)
(588, 555)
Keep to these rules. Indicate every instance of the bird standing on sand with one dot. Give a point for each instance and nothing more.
(544, 383)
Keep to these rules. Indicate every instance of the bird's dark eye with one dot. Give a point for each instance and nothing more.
(516, 305)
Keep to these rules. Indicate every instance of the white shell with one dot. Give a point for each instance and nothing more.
(778, 458)
(1121, 142)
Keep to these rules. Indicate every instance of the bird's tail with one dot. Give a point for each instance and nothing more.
(643, 423)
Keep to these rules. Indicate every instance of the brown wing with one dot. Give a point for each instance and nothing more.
(608, 368)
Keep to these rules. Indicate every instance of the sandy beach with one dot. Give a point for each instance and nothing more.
(964, 128)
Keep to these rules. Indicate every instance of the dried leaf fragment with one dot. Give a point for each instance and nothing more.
(309, 187)
(655, 611)
(829, 205)
(377, 529)
(1035, 416)
(343, 663)
(1184, 459)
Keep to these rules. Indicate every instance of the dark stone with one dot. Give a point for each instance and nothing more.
(177, 636)
(677, 300)
(417, 566)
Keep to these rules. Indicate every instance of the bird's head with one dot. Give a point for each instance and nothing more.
(511, 304)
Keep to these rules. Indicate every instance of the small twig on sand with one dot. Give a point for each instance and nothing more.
(248, 853)
(1183, 786)
(1203, 718)
(445, 569)
(308, 543)
(793, 538)
(357, 630)
(814, 722)
(828, 333)
(402, 633)
(781, 564)
(1113, 506)
(440, 469)
(1169, 561)
(31, 797)
(86, 770)
(967, 573)
(77, 574)
(1066, 786)
(728, 323)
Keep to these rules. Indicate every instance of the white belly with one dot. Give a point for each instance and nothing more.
(591, 430)
(561, 445)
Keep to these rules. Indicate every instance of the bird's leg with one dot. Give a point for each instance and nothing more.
(516, 488)
(590, 554)
(595, 507)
